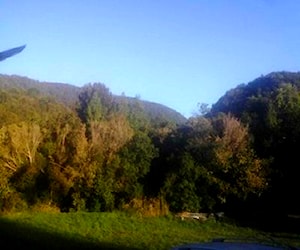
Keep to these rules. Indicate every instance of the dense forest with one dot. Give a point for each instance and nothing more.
(85, 149)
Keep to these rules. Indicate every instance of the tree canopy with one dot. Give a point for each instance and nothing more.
(87, 149)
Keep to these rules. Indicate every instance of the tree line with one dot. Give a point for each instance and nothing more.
(97, 154)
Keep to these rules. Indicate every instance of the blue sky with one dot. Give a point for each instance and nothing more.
(175, 52)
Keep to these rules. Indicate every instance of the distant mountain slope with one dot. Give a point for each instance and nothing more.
(68, 95)
(237, 100)
(154, 111)
(62, 92)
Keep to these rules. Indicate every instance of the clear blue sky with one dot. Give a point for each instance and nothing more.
(175, 52)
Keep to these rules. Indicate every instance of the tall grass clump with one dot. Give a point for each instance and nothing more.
(148, 207)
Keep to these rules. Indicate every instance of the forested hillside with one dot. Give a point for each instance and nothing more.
(68, 95)
(64, 93)
(86, 149)
(270, 107)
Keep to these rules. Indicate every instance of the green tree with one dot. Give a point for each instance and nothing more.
(189, 154)
(134, 161)
(180, 188)
(95, 102)
(107, 138)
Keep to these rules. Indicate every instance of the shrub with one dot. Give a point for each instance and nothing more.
(148, 206)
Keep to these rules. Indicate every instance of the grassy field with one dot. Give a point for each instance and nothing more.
(118, 230)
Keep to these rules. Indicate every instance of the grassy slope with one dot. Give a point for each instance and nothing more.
(112, 231)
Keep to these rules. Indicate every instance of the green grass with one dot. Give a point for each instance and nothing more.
(116, 230)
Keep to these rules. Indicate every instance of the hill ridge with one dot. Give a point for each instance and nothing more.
(68, 95)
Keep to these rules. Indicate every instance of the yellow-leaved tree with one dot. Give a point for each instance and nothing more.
(18, 152)
(239, 171)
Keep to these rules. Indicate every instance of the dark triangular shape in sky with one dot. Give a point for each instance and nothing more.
(11, 52)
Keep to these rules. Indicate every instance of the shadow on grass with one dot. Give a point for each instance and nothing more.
(20, 236)
(274, 223)
(278, 228)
